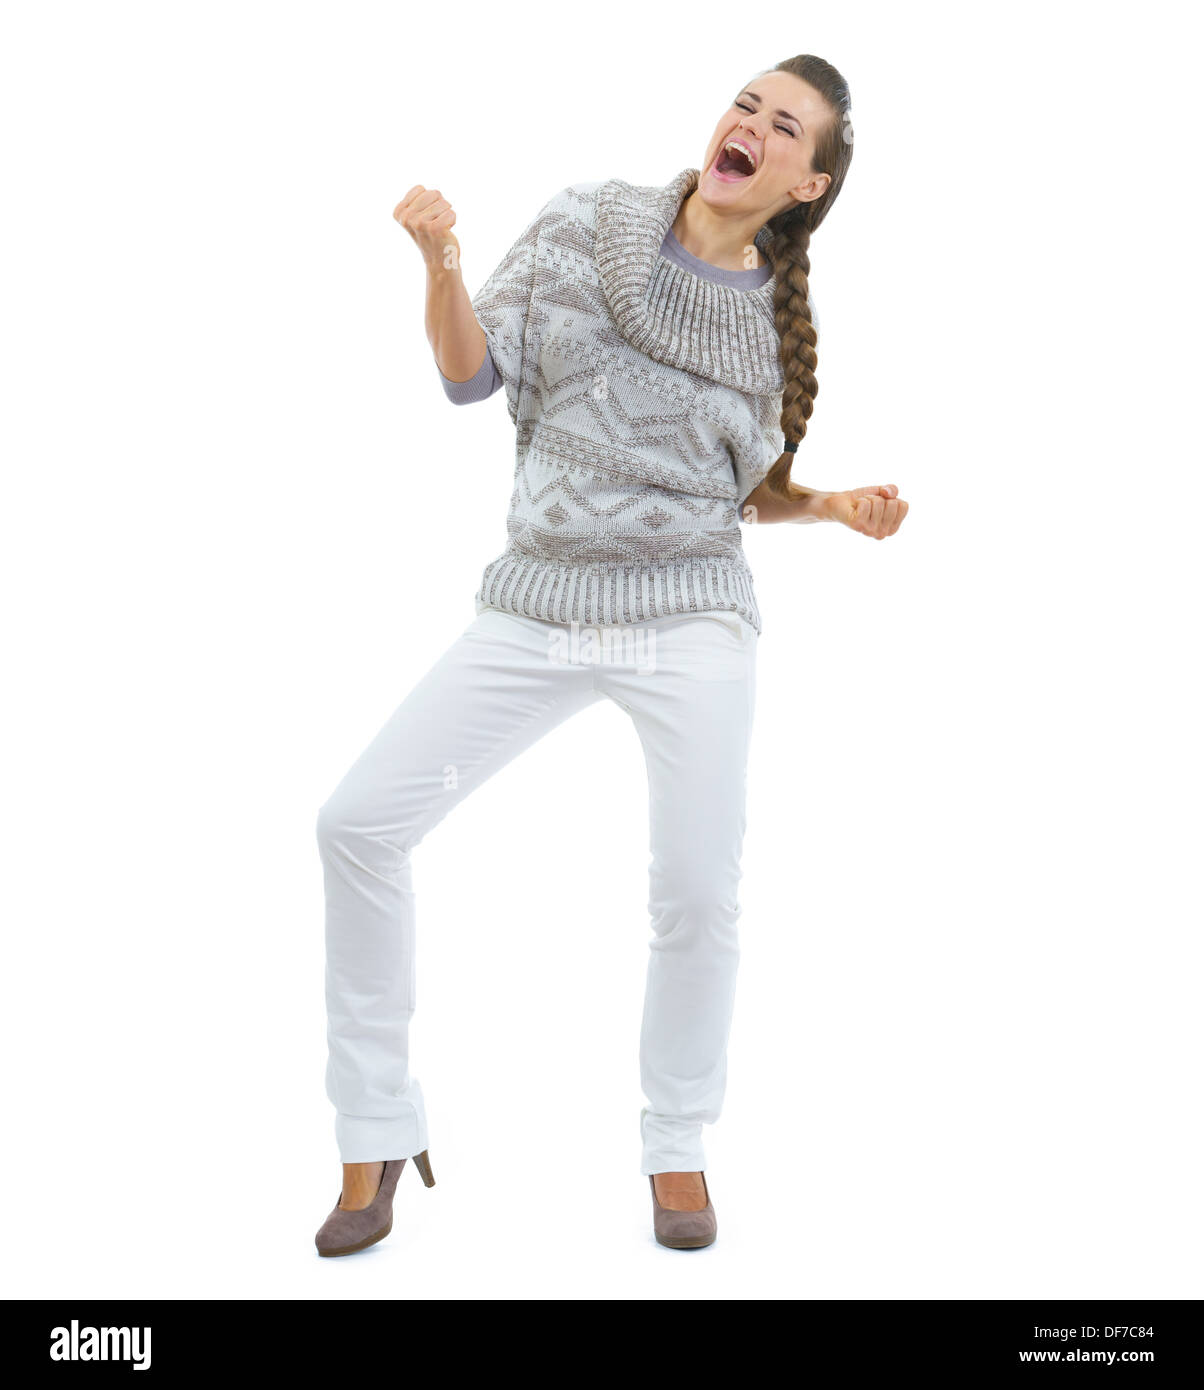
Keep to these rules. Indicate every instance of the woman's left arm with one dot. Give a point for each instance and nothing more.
(873, 511)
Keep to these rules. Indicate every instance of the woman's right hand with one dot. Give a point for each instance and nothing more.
(428, 217)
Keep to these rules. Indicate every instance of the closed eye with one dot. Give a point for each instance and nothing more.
(784, 128)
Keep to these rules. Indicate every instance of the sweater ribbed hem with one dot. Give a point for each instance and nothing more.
(606, 594)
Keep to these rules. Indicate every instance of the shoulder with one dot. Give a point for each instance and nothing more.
(575, 199)
(586, 189)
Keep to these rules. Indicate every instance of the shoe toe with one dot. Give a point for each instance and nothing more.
(344, 1229)
(693, 1227)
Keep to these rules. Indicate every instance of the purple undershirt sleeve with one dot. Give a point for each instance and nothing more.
(479, 388)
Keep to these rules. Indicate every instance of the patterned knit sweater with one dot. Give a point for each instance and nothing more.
(646, 398)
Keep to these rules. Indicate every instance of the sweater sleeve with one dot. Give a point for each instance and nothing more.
(758, 447)
(503, 302)
(477, 388)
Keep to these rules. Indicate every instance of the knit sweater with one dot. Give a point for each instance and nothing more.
(646, 398)
(488, 380)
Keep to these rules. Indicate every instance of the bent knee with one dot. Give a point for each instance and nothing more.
(340, 830)
(694, 916)
(351, 831)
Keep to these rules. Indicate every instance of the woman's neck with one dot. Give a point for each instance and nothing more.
(720, 241)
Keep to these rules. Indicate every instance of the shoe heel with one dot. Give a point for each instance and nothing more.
(423, 1163)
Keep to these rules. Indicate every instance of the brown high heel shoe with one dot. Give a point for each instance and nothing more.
(683, 1230)
(344, 1232)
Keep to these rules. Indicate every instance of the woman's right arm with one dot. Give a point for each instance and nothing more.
(456, 338)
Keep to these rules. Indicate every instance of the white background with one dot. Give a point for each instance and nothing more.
(241, 520)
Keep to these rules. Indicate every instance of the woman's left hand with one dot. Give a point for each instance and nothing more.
(874, 511)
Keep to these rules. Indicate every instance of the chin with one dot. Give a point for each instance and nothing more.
(707, 189)
(711, 189)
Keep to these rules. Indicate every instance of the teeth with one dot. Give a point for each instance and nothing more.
(743, 148)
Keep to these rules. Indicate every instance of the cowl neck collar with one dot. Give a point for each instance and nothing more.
(718, 332)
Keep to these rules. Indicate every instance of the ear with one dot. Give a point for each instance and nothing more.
(814, 186)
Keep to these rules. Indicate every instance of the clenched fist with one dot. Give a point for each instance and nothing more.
(874, 511)
(428, 217)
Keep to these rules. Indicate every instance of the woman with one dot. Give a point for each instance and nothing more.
(656, 347)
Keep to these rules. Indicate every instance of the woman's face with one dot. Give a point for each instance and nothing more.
(776, 116)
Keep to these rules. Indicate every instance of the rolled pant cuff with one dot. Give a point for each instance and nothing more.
(677, 1162)
(370, 1139)
(669, 1147)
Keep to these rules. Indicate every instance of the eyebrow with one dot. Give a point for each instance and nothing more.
(778, 112)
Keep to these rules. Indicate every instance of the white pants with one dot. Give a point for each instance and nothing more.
(688, 683)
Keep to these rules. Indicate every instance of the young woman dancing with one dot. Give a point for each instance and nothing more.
(656, 346)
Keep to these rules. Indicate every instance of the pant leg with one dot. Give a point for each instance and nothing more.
(692, 699)
(492, 694)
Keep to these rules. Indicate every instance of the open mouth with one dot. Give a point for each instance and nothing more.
(734, 163)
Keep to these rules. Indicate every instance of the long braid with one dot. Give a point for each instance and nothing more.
(792, 316)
